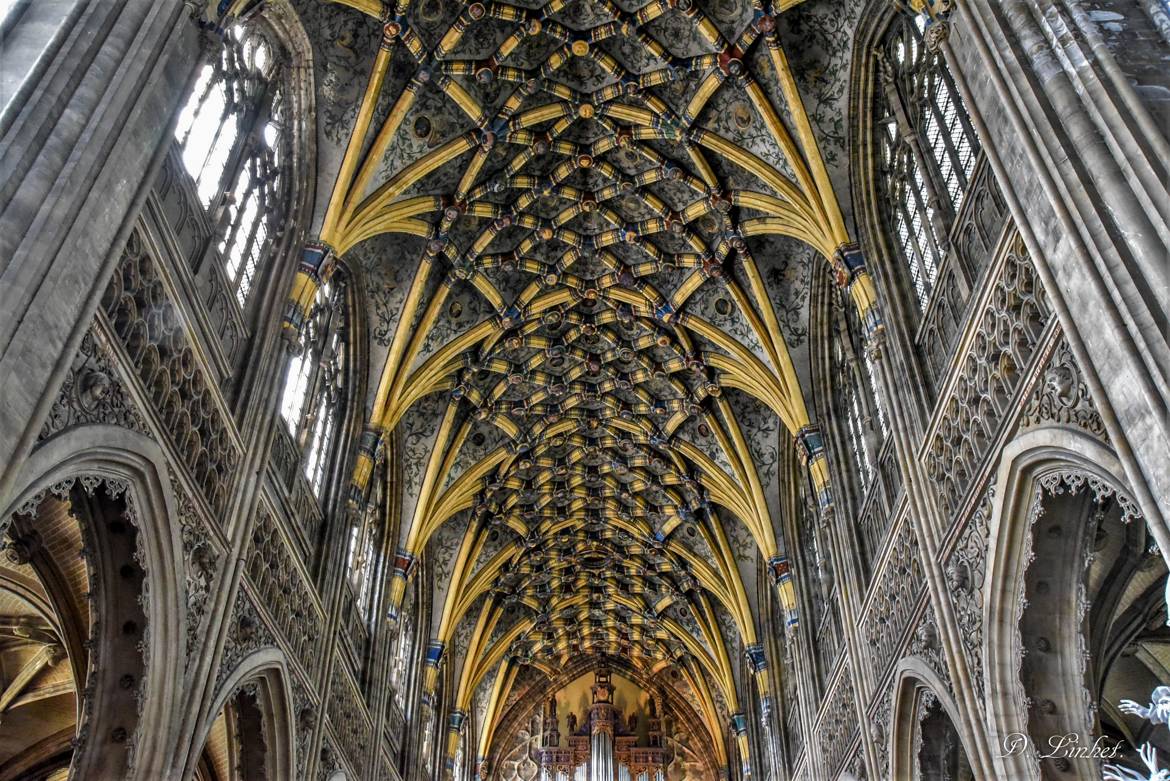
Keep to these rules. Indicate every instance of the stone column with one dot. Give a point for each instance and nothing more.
(1083, 166)
(78, 152)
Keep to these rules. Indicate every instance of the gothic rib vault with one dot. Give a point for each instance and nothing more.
(584, 460)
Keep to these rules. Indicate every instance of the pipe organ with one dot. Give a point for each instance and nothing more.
(602, 746)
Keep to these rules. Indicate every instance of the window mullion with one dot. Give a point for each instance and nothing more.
(911, 136)
(930, 268)
(936, 184)
(245, 271)
(922, 262)
(207, 155)
(236, 159)
(248, 122)
(967, 128)
(200, 101)
(956, 159)
(312, 396)
(231, 215)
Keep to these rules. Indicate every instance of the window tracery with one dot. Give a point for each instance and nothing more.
(313, 397)
(402, 651)
(926, 149)
(233, 141)
(460, 770)
(360, 560)
(858, 404)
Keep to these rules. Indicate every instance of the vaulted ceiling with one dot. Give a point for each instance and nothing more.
(585, 230)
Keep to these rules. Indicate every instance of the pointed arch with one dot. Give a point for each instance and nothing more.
(127, 457)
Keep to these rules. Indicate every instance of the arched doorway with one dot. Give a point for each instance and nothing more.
(237, 746)
(938, 747)
(248, 733)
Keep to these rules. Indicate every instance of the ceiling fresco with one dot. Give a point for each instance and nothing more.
(585, 231)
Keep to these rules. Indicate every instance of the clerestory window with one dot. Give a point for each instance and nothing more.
(849, 400)
(361, 561)
(233, 140)
(404, 644)
(312, 402)
(926, 149)
(858, 407)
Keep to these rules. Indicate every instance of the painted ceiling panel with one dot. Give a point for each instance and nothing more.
(585, 230)
(818, 37)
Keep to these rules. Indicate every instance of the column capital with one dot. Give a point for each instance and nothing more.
(367, 455)
(810, 448)
(853, 275)
(756, 658)
(875, 343)
(937, 31)
(314, 269)
(809, 443)
(782, 579)
(404, 563)
(825, 516)
(431, 662)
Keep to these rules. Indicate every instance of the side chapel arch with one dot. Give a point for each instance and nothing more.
(129, 468)
(1040, 462)
(266, 674)
(923, 703)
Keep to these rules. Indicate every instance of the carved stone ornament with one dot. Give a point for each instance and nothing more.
(152, 332)
(936, 34)
(201, 558)
(1060, 481)
(965, 573)
(899, 587)
(283, 589)
(307, 715)
(245, 633)
(91, 393)
(980, 402)
(1062, 396)
(349, 719)
(927, 644)
(880, 729)
(328, 761)
(838, 728)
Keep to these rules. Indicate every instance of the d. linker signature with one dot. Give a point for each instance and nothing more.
(1070, 746)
